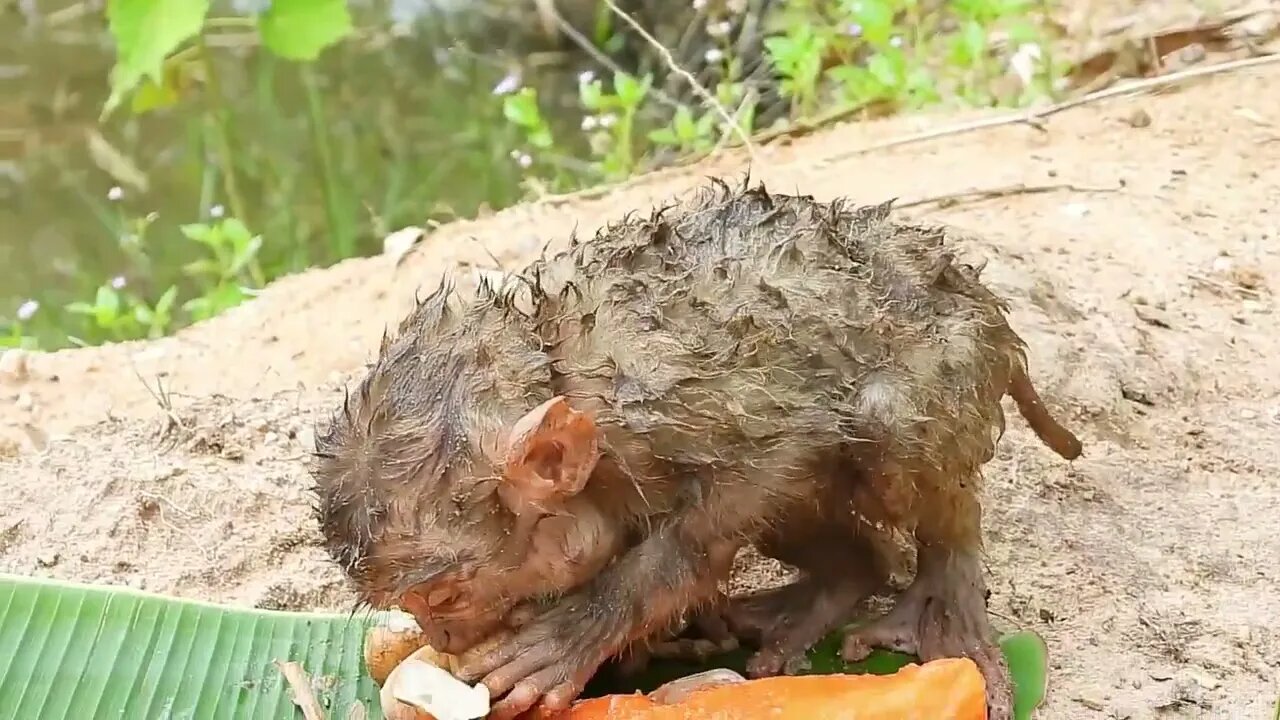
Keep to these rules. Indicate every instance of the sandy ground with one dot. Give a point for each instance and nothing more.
(1151, 565)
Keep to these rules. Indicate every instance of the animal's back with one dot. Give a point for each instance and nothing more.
(746, 328)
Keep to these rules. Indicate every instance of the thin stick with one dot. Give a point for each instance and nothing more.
(1034, 117)
(303, 696)
(955, 198)
(693, 82)
(588, 47)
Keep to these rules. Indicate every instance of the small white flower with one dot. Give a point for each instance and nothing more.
(896, 41)
(699, 4)
(853, 30)
(607, 120)
(507, 85)
(719, 29)
(515, 154)
(118, 282)
(217, 211)
(714, 55)
(589, 122)
(27, 309)
(115, 193)
(585, 77)
(524, 160)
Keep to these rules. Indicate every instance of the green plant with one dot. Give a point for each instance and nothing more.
(797, 57)
(612, 136)
(521, 108)
(118, 315)
(148, 32)
(230, 270)
(687, 134)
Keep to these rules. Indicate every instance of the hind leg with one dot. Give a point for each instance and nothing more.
(839, 571)
(943, 613)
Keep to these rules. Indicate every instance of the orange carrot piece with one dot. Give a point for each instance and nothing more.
(946, 689)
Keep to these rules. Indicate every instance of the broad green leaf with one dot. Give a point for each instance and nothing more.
(145, 32)
(74, 652)
(301, 29)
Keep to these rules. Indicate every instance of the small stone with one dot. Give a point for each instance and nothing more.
(25, 402)
(1138, 119)
(1092, 703)
(307, 439)
(1247, 414)
(1222, 264)
(15, 365)
(48, 559)
(1203, 679)
(271, 438)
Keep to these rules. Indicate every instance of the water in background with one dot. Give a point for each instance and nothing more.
(388, 129)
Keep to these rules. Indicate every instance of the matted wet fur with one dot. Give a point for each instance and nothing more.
(566, 464)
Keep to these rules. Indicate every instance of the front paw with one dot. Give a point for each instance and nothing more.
(547, 661)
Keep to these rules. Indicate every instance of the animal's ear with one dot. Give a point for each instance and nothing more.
(551, 452)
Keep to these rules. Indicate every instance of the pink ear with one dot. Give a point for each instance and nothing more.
(551, 452)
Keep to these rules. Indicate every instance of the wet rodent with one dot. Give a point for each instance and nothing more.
(587, 446)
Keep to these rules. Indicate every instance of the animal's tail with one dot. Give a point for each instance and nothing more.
(1031, 407)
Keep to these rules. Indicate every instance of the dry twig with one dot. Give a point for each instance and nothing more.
(1035, 118)
(955, 198)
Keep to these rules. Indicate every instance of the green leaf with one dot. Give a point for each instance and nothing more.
(152, 96)
(301, 29)
(197, 231)
(663, 136)
(521, 108)
(165, 303)
(245, 255)
(235, 231)
(1028, 659)
(591, 94)
(630, 90)
(145, 32)
(70, 651)
(106, 306)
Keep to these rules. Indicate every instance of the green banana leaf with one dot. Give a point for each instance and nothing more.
(83, 652)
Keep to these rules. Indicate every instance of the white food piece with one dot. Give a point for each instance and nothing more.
(434, 690)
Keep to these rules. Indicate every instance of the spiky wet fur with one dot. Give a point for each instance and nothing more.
(744, 354)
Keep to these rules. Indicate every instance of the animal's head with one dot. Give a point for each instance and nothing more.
(447, 484)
